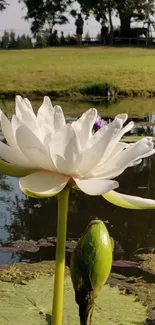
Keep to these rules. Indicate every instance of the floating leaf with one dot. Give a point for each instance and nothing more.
(30, 304)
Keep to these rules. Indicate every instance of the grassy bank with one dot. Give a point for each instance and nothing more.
(75, 72)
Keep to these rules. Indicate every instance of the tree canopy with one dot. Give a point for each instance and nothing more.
(3, 4)
(125, 9)
(46, 13)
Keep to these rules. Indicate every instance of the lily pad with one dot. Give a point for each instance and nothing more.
(20, 272)
(30, 304)
(148, 262)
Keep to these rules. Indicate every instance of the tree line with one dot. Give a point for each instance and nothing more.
(10, 40)
(47, 13)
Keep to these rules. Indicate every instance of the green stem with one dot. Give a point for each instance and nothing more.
(86, 310)
(57, 309)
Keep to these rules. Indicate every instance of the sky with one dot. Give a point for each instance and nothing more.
(12, 18)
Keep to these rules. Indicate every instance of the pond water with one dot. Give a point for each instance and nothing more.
(23, 218)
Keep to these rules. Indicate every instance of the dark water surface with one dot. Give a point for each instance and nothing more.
(23, 218)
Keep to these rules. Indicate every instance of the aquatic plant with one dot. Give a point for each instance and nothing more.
(50, 157)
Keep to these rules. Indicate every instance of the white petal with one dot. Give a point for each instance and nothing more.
(28, 104)
(119, 147)
(45, 113)
(95, 186)
(91, 157)
(15, 124)
(100, 171)
(112, 145)
(123, 117)
(7, 130)
(14, 171)
(50, 119)
(25, 114)
(39, 158)
(128, 201)
(45, 121)
(148, 154)
(22, 105)
(33, 149)
(111, 132)
(140, 149)
(47, 139)
(64, 150)
(135, 163)
(126, 129)
(84, 125)
(18, 105)
(59, 119)
(13, 156)
(128, 157)
(43, 184)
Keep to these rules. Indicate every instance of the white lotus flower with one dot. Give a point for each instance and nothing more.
(47, 154)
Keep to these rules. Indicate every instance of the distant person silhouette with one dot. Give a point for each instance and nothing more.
(62, 39)
(55, 37)
(104, 32)
(79, 28)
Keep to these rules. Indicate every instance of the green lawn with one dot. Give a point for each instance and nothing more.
(75, 71)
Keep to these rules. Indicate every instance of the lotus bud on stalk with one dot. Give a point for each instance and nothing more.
(90, 266)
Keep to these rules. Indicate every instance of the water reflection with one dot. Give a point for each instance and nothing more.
(32, 219)
(23, 218)
(5, 196)
(139, 108)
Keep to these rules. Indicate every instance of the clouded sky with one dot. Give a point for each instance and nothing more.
(13, 18)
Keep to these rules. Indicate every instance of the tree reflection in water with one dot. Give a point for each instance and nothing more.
(5, 197)
(5, 187)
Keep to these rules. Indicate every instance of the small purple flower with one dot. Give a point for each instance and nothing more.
(99, 124)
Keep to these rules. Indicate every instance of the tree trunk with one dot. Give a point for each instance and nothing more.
(125, 25)
(111, 26)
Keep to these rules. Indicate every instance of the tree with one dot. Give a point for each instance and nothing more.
(24, 42)
(46, 13)
(42, 40)
(12, 41)
(128, 9)
(125, 9)
(3, 5)
(99, 9)
(5, 40)
(9, 40)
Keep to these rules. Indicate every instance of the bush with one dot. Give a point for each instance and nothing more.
(97, 89)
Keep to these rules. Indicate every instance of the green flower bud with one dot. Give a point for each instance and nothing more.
(90, 266)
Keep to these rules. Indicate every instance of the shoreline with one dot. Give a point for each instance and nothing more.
(111, 94)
